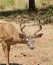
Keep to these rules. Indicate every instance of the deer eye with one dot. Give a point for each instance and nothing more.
(27, 39)
(33, 39)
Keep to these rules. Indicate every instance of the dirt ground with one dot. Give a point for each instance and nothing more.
(42, 54)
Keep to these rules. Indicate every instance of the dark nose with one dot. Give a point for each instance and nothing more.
(32, 48)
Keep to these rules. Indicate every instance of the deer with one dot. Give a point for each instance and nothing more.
(9, 35)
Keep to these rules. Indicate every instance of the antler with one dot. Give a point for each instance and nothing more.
(40, 28)
(21, 28)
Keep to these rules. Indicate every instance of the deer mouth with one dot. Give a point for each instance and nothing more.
(31, 47)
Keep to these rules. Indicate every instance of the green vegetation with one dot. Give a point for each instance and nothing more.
(19, 8)
(5, 3)
(45, 13)
(2, 4)
(11, 2)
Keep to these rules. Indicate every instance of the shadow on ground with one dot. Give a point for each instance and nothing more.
(7, 13)
(12, 64)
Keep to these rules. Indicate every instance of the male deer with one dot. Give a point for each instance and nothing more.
(9, 35)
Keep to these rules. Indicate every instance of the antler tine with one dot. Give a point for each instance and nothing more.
(40, 27)
(21, 28)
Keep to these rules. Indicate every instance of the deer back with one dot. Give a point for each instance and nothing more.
(8, 30)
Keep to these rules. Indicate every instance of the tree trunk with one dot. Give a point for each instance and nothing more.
(32, 5)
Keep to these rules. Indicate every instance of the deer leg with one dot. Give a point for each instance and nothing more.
(6, 49)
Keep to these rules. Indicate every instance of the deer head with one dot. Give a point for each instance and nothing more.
(30, 39)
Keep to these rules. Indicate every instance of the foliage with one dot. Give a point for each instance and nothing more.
(11, 2)
(4, 3)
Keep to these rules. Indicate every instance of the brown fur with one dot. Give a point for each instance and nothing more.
(8, 36)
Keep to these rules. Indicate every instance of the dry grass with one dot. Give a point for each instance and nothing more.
(22, 4)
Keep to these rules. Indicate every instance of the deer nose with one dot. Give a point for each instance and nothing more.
(31, 47)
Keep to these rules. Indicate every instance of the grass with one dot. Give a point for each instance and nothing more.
(12, 5)
(11, 2)
(4, 3)
(41, 4)
(21, 9)
(45, 13)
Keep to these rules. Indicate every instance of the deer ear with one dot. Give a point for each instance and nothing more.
(22, 35)
(38, 35)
